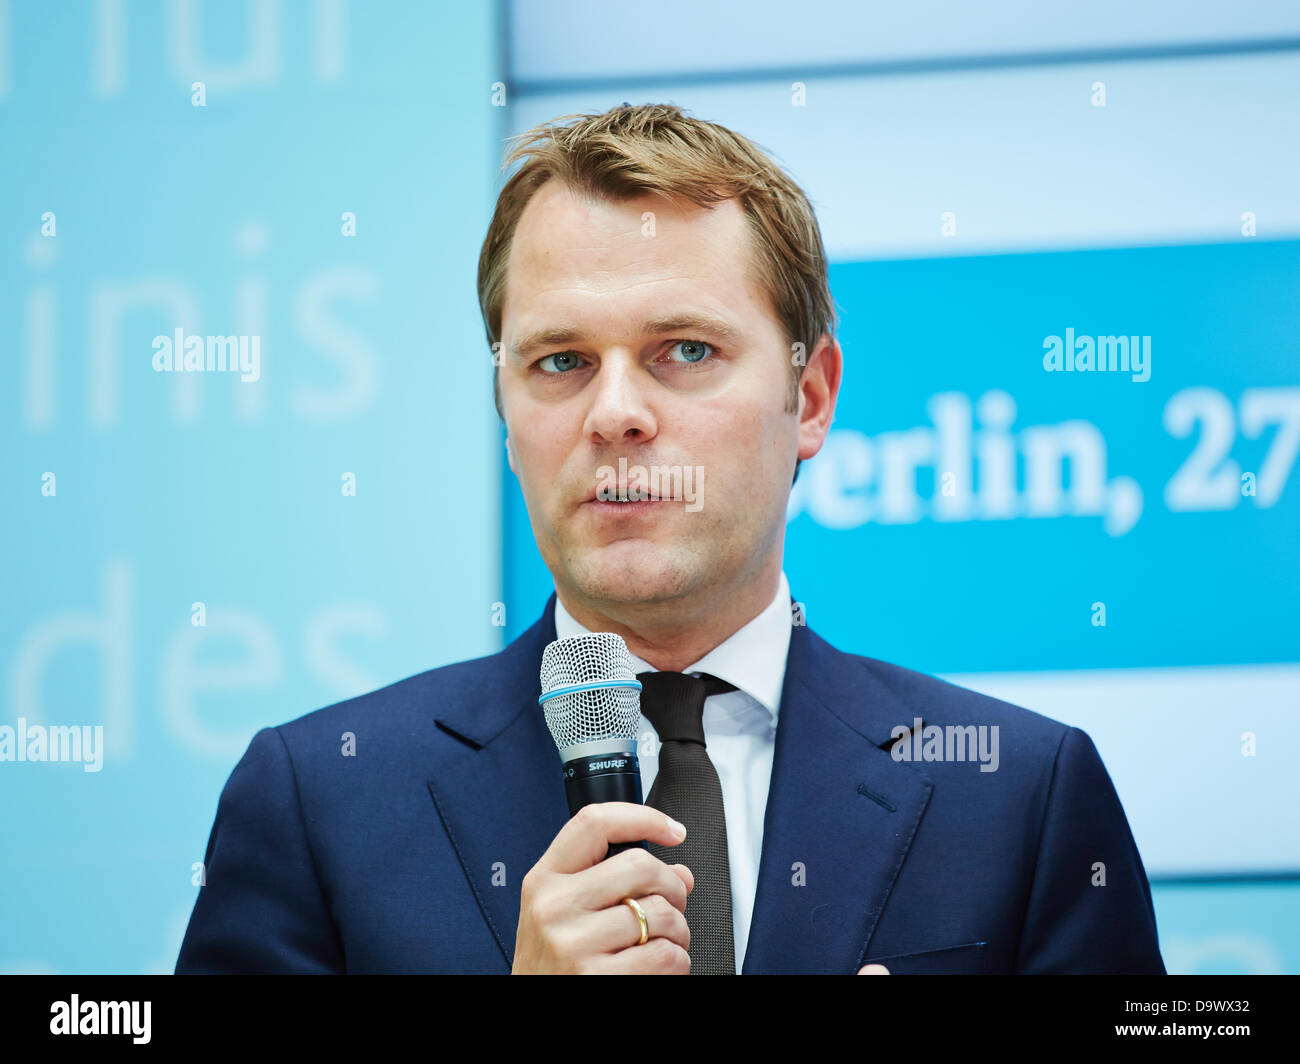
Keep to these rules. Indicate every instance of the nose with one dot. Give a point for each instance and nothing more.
(619, 409)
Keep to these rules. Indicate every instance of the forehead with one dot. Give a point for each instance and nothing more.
(576, 255)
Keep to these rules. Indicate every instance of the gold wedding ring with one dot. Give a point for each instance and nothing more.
(635, 906)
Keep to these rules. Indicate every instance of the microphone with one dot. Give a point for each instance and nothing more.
(592, 701)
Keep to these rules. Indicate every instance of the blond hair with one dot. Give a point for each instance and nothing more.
(657, 148)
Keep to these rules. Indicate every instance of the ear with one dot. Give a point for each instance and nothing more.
(510, 457)
(819, 388)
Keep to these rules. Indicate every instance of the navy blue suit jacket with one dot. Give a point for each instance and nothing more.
(408, 856)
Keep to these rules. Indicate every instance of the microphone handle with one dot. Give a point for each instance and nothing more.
(604, 778)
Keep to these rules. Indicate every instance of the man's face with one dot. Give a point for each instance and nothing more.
(621, 376)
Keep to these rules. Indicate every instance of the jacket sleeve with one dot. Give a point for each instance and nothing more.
(261, 908)
(1073, 923)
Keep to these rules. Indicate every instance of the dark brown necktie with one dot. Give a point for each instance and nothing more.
(687, 789)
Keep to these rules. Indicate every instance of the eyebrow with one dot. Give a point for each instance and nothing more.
(672, 323)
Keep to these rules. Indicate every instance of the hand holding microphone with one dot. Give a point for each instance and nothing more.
(574, 915)
(572, 918)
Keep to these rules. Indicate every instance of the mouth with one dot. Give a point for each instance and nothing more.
(609, 500)
(611, 493)
(615, 499)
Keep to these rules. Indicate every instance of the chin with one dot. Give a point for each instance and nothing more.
(635, 571)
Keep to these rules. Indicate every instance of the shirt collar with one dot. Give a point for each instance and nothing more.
(753, 658)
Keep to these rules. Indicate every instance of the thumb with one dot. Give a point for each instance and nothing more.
(873, 969)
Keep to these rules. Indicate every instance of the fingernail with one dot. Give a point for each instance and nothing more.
(676, 828)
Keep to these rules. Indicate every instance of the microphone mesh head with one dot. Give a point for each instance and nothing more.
(586, 716)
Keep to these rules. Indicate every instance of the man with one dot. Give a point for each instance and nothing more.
(655, 292)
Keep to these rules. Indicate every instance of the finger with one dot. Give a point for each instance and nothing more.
(659, 956)
(687, 876)
(873, 969)
(629, 874)
(583, 842)
(617, 928)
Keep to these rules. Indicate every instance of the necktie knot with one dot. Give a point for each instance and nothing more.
(674, 703)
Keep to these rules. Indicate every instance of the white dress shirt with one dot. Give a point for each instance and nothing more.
(740, 734)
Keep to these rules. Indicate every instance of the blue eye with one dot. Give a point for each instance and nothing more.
(695, 349)
(572, 361)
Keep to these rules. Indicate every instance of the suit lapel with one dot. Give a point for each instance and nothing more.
(496, 783)
(840, 819)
